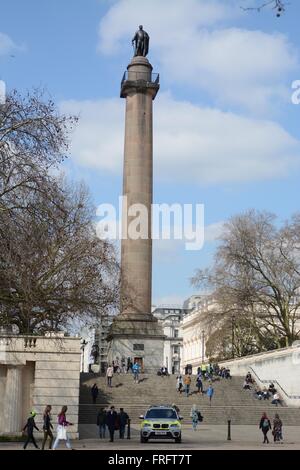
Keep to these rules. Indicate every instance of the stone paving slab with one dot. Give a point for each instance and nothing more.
(206, 437)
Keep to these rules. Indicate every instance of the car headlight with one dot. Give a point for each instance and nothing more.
(146, 425)
(174, 426)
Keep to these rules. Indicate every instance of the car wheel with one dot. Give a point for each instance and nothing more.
(144, 439)
(178, 440)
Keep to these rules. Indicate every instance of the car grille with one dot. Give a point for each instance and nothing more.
(160, 426)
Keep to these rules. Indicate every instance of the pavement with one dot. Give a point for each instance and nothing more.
(206, 437)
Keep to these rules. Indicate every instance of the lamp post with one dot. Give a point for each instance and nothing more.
(83, 345)
(202, 346)
(232, 334)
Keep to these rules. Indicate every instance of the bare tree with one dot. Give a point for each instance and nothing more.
(53, 268)
(255, 281)
(33, 138)
(278, 5)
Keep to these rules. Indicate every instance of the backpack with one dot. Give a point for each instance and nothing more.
(265, 423)
(200, 417)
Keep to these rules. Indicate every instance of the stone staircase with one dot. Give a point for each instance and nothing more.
(230, 401)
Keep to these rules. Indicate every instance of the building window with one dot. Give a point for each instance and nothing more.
(176, 349)
(175, 333)
(138, 347)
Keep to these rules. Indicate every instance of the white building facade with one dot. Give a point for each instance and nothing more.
(170, 318)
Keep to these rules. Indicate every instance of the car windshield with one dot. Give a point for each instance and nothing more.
(164, 413)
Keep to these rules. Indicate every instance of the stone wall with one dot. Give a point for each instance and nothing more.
(282, 367)
(35, 372)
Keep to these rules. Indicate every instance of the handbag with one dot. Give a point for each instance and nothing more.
(61, 432)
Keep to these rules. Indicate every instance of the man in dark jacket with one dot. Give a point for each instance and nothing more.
(111, 421)
(30, 425)
(94, 393)
(101, 422)
(123, 420)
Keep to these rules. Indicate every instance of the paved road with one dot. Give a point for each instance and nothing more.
(206, 437)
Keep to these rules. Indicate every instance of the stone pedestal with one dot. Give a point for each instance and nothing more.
(135, 327)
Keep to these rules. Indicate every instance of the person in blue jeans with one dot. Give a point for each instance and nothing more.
(136, 371)
(101, 423)
(210, 393)
(187, 384)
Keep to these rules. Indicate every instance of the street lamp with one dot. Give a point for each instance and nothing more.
(83, 345)
(232, 334)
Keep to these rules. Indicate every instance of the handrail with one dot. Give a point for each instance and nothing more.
(292, 397)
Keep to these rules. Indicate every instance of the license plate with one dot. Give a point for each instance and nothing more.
(161, 432)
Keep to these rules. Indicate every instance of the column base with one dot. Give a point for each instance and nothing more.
(139, 337)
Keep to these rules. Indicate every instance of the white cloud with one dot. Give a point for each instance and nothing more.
(237, 67)
(7, 45)
(191, 143)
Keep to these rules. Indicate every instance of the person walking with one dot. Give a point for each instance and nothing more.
(136, 371)
(194, 415)
(187, 384)
(123, 421)
(62, 425)
(199, 384)
(277, 428)
(47, 427)
(210, 393)
(94, 393)
(109, 375)
(265, 426)
(101, 422)
(179, 384)
(30, 426)
(111, 421)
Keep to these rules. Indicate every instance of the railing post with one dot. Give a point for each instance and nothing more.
(229, 430)
(128, 428)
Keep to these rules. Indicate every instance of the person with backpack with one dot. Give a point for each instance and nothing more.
(109, 375)
(30, 426)
(47, 427)
(265, 426)
(196, 417)
(101, 423)
(179, 384)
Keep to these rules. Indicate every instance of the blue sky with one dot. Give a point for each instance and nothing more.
(226, 132)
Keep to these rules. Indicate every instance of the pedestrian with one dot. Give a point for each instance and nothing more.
(277, 428)
(179, 384)
(101, 422)
(195, 416)
(30, 426)
(176, 408)
(62, 425)
(187, 384)
(210, 393)
(109, 375)
(47, 427)
(265, 426)
(276, 400)
(136, 371)
(199, 384)
(94, 392)
(111, 421)
(123, 421)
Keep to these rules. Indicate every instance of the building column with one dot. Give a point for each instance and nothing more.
(13, 400)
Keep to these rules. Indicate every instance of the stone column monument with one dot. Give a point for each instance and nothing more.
(135, 333)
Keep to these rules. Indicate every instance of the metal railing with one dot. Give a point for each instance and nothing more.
(148, 77)
(264, 381)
